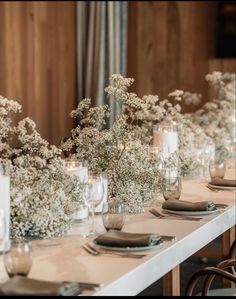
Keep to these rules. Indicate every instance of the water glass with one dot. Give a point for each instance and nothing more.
(172, 187)
(217, 169)
(18, 259)
(204, 156)
(113, 215)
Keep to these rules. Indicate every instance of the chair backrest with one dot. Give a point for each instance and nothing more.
(225, 269)
(210, 273)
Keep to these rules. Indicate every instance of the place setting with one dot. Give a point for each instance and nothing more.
(218, 182)
(176, 209)
(18, 262)
(117, 242)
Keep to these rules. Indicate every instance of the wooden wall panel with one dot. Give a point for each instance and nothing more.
(169, 44)
(38, 62)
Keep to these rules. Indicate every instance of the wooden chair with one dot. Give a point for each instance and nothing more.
(225, 269)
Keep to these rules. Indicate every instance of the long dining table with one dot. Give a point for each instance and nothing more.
(64, 259)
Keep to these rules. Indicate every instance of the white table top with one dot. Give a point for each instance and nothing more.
(67, 261)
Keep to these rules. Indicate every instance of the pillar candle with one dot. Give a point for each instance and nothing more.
(5, 205)
(82, 173)
(166, 141)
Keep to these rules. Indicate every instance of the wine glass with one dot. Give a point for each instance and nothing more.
(113, 216)
(230, 145)
(205, 155)
(94, 197)
(18, 259)
(2, 228)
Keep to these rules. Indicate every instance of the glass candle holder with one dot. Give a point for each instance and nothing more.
(165, 136)
(5, 205)
(80, 169)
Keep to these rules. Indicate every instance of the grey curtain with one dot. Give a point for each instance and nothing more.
(101, 48)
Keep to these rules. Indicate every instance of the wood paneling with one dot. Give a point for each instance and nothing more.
(169, 44)
(38, 62)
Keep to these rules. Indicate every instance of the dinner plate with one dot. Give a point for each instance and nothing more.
(130, 249)
(222, 187)
(192, 213)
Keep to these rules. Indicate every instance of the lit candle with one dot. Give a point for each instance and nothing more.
(5, 206)
(98, 209)
(166, 141)
(79, 169)
(81, 172)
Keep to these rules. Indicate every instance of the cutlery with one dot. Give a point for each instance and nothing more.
(175, 217)
(76, 288)
(89, 286)
(89, 250)
(80, 286)
(95, 251)
(168, 238)
(218, 190)
(221, 205)
(70, 289)
(212, 189)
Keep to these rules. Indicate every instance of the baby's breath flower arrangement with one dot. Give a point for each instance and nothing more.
(191, 135)
(217, 117)
(43, 195)
(133, 174)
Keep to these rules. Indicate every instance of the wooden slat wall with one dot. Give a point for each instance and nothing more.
(169, 44)
(38, 62)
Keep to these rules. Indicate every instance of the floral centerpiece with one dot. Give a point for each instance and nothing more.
(133, 174)
(43, 195)
(217, 117)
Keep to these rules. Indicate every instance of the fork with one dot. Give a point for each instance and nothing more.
(176, 217)
(212, 189)
(95, 251)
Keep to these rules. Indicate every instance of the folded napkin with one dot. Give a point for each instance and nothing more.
(181, 205)
(123, 239)
(19, 286)
(223, 182)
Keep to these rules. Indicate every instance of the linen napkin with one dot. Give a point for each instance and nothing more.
(19, 286)
(223, 182)
(181, 205)
(124, 239)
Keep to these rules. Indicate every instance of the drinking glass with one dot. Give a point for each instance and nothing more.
(217, 169)
(95, 196)
(230, 145)
(18, 259)
(205, 154)
(172, 187)
(113, 215)
(2, 227)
